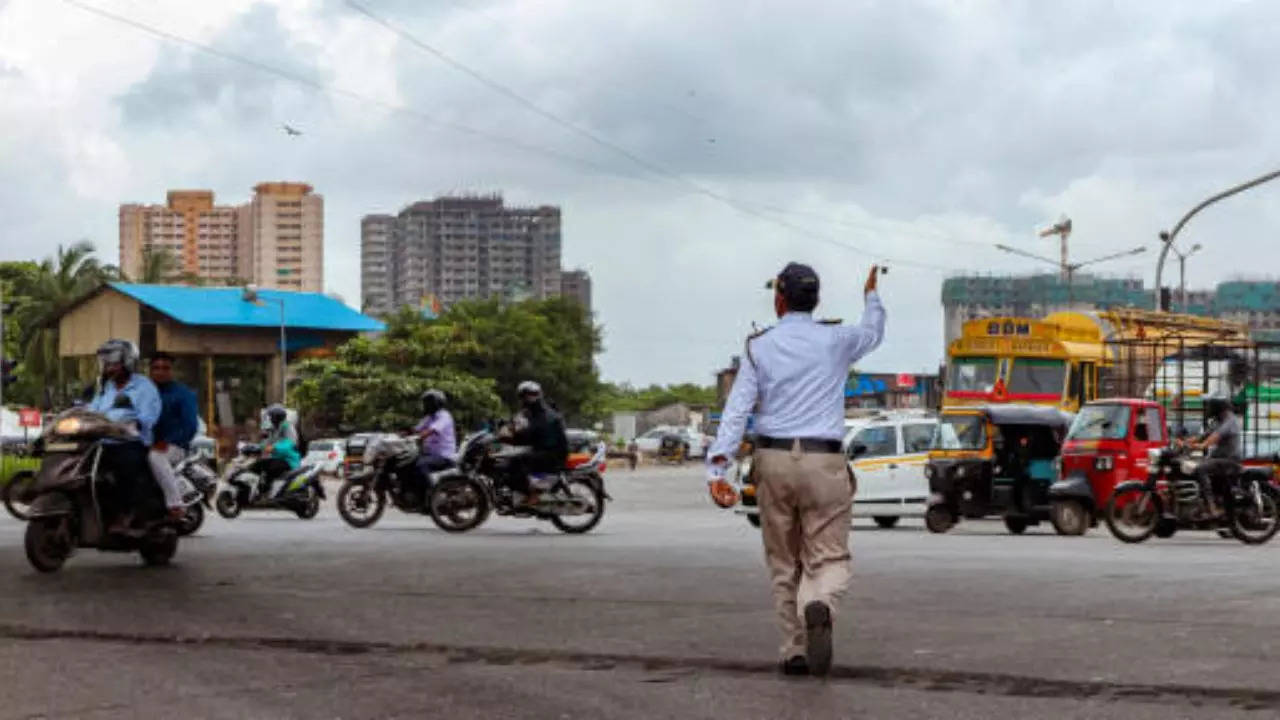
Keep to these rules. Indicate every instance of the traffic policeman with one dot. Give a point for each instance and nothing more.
(794, 377)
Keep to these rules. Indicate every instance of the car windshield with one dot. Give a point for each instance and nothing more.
(972, 374)
(960, 432)
(1100, 422)
(1037, 377)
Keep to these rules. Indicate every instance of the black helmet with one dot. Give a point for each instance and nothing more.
(117, 352)
(433, 401)
(1216, 406)
(277, 414)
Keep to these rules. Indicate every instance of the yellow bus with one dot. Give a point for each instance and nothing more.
(1056, 361)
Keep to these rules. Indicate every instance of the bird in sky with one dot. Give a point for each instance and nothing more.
(290, 130)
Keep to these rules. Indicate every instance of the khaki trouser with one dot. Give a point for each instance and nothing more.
(805, 512)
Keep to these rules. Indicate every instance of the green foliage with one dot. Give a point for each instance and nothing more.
(624, 398)
(40, 292)
(476, 352)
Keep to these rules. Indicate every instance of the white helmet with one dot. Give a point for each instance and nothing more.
(529, 387)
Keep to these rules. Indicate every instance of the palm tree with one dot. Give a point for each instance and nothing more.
(158, 267)
(57, 282)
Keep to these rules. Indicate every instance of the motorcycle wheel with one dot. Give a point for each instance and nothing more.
(938, 519)
(1136, 518)
(48, 543)
(227, 505)
(1254, 523)
(459, 504)
(1069, 517)
(311, 506)
(359, 505)
(12, 490)
(754, 520)
(191, 520)
(159, 551)
(585, 491)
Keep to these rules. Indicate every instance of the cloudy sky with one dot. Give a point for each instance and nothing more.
(694, 146)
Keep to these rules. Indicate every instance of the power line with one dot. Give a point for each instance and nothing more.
(343, 92)
(652, 167)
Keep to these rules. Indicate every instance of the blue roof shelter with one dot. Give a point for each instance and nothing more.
(215, 325)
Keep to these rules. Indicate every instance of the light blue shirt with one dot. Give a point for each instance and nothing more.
(797, 372)
(146, 404)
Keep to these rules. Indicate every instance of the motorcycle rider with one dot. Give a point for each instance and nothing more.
(132, 399)
(1222, 446)
(280, 450)
(439, 441)
(173, 432)
(540, 429)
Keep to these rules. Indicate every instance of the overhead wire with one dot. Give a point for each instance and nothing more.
(650, 166)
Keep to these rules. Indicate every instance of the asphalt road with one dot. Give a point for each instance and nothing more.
(663, 611)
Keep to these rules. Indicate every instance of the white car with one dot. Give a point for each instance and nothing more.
(649, 442)
(328, 454)
(887, 453)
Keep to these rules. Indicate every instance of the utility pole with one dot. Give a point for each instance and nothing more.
(1069, 269)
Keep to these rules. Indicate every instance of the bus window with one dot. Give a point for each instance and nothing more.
(1034, 376)
(972, 374)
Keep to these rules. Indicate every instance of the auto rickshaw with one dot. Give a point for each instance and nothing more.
(1107, 444)
(673, 449)
(994, 460)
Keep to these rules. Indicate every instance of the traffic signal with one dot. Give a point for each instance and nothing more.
(7, 367)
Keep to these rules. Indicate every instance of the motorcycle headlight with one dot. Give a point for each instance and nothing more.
(1153, 456)
(1189, 467)
(67, 426)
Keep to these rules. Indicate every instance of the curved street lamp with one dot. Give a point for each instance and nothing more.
(1167, 238)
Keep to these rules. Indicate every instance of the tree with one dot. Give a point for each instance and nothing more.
(54, 284)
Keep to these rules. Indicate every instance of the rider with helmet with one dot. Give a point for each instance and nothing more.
(439, 442)
(540, 429)
(1222, 445)
(129, 398)
(280, 448)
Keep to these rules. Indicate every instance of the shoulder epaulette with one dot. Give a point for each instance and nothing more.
(833, 321)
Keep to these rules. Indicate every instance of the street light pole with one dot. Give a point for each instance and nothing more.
(1182, 272)
(1167, 238)
(1069, 269)
(250, 294)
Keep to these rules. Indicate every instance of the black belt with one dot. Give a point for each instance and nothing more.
(809, 445)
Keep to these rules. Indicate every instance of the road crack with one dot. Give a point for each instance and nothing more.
(936, 680)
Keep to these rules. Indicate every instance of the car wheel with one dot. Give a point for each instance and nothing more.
(1016, 524)
(886, 521)
(938, 519)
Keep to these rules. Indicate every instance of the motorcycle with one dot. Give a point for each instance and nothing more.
(65, 510)
(1173, 498)
(197, 484)
(298, 491)
(389, 470)
(464, 497)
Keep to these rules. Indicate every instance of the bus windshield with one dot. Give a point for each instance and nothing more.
(1100, 422)
(972, 374)
(960, 432)
(1030, 376)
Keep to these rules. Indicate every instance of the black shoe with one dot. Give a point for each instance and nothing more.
(817, 622)
(795, 665)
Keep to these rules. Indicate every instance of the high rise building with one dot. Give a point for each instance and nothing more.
(457, 248)
(375, 262)
(576, 284)
(286, 235)
(276, 240)
(200, 237)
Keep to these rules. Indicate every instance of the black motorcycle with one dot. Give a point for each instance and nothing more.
(463, 498)
(65, 500)
(1173, 498)
(389, 470)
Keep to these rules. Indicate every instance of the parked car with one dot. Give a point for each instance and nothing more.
(329, 454)
(650, 442)
(887, 452)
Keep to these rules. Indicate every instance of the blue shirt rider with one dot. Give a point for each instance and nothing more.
(129, 399)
